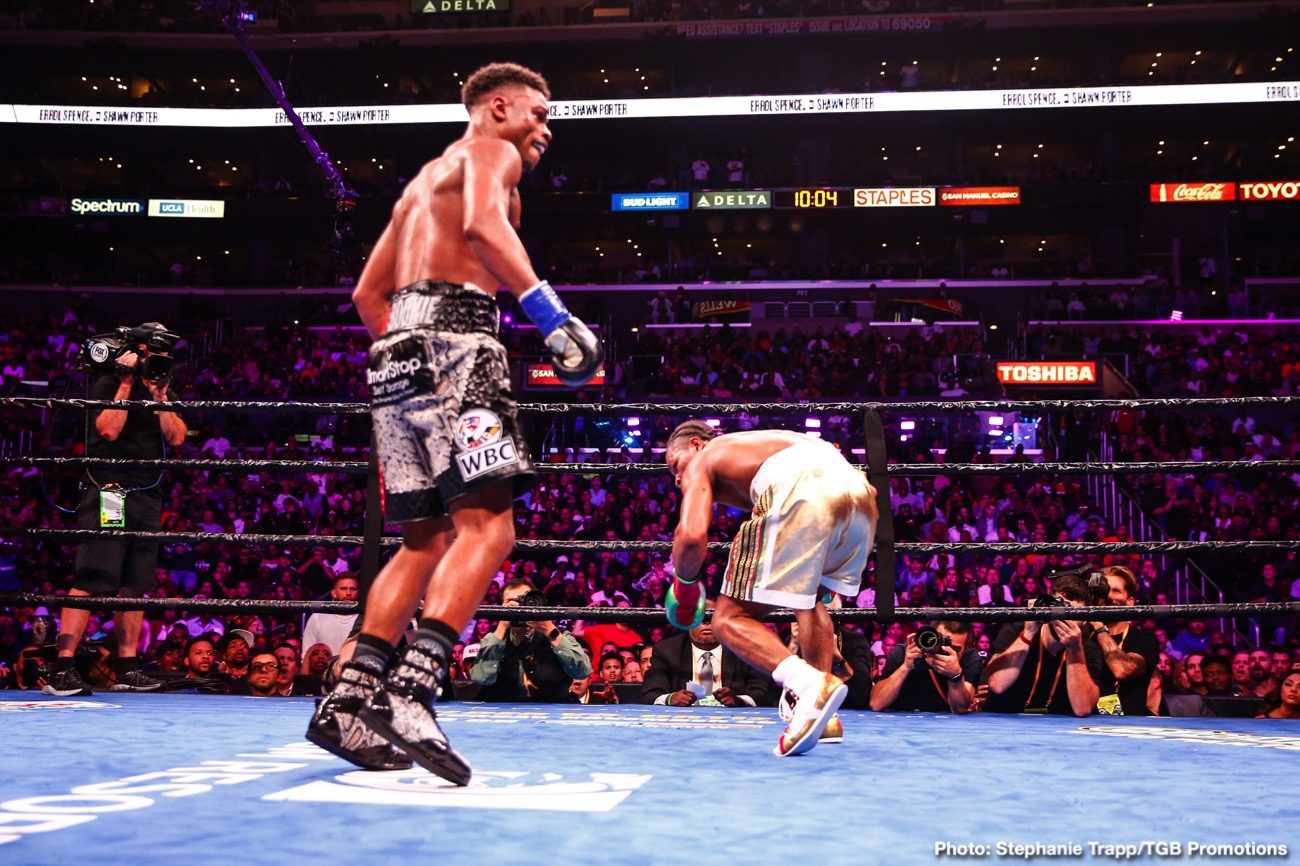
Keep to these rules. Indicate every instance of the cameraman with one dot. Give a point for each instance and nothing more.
(1050, 668)
(1131, 652)
(528, 661)
(120, 498)
(941, 680)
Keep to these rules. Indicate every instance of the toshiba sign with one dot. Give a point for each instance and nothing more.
(543, 376)
(1271, 190)
(1185, 192)
(1047, 372)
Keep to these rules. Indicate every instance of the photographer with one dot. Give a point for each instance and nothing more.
(528, 661)
(133, 365)
(1130, 652)
(932, 672)
(1048, 668)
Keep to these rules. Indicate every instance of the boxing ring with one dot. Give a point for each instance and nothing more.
(148, 778)
(143, 777)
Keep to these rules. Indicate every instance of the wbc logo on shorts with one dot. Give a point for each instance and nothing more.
(479, 444)
(476, 428)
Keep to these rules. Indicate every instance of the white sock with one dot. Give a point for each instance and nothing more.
(801, 677)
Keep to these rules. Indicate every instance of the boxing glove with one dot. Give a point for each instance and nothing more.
(685, 598)
(576, 354)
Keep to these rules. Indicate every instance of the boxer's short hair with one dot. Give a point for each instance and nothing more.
(494, 75)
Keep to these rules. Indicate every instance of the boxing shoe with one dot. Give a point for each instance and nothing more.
(402, 712)
(136, 681)
(65, 684)
(336, 729)
(812, 714)
(834, 731)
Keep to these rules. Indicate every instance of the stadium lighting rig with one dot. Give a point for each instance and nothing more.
(234, 15)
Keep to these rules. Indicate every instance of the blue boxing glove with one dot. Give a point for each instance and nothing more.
(576, 354)
(684, 603)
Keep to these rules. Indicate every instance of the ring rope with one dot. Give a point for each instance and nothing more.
(910, 406)
(941, 469)
(678, 408)
(187, 406)
(350, 466)
(893, 469)
(1004, 547)
(515, 613)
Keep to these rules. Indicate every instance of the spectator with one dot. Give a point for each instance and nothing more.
(332, 629)
(694, 668)
(1285, 699)
(527, 661)
(1037, 668)
(939, 680)
(1130, 651)
(1217, 672)
(262, 673)
(200, 657)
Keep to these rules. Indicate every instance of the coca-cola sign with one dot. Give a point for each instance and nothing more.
(1182, 192)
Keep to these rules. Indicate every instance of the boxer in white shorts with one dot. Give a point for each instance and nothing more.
(811, 527)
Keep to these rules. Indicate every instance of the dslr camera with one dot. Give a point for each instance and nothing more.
(533, 598)
(101, 352)
(930, 641)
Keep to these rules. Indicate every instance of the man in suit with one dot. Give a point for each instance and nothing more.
(692, 663)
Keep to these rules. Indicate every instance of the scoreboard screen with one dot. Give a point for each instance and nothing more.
(822, 198)
(829, 197)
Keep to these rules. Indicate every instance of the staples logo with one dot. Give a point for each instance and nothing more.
(894, 197)
(1184, 192)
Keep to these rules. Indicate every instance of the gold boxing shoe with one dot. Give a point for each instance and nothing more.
(834, 731)
(812, 714)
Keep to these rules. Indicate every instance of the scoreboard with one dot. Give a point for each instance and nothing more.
(821, 198)
(830, 197)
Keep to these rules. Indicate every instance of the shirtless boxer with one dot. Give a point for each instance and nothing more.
(449, 445)
(812, 523)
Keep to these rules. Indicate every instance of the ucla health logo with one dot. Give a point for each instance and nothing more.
(171, 207)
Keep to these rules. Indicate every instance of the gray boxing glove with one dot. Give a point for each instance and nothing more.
(576, 354)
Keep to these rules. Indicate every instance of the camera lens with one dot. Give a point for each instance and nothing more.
(532, 598)
(928, 639)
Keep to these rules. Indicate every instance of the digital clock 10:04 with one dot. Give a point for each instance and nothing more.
(819, 198)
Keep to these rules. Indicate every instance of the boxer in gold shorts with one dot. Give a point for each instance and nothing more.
(811, 527)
